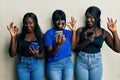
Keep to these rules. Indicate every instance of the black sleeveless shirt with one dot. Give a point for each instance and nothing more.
(95, 46)
(25, 48)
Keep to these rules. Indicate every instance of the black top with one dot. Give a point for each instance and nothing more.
(95, 46)
(25, 48)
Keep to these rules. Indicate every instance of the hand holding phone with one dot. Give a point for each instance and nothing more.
(60, 37)
(35, 45)
(89, 34)
(59, 33)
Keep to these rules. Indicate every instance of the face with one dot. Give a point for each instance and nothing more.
(29, 25)
(90, 20)
(59, 24)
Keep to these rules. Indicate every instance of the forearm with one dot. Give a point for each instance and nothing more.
(13, 46)
(40, 55)
(82, 45)
(52, 51)
(73, 41)
(116, 41)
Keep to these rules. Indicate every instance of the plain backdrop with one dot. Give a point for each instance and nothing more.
(14, 10)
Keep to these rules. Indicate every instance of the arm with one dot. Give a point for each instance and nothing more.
(40, 55)
(51, 51)
(13, 44)
(82, 45)
(72, 26)
(112, 42)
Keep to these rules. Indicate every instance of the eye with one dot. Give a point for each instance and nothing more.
(62, 18)
(56, 19)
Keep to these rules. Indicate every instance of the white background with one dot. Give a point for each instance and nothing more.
(14, 10)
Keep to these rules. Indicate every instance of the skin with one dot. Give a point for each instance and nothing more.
(111, 40)
(61, 38)
(30, 36)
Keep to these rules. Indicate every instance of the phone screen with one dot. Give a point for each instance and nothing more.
(59, 33)
(89, 34)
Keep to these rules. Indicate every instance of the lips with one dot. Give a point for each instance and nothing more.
(28, 29)
(89, 23)
(60, 25)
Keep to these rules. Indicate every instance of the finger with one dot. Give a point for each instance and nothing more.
(38, 47)
(63, 37)
(107, 24)
(8, 27)
(11, 24)
(59, 38)
(111, 20)
(115, 21)
(75, 21)
(56, 38)
(31, 50)
(108, 19)
(72, 18)
(15, 27)
(68, 25)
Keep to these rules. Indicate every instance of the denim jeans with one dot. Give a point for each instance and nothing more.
(60, 70)
(88, 66)
(30, 68)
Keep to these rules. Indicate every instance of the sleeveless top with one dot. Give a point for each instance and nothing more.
(95, 46)
(24, 50)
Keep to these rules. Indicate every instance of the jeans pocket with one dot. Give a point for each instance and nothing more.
(81, 59)
(98, 60)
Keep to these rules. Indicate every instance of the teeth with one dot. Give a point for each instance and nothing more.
(60, 25)
(28, 28)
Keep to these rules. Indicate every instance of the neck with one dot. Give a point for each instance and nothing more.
(30, 37)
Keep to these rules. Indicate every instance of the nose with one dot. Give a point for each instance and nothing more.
(60, 20)
(88, 19)
(27, 25)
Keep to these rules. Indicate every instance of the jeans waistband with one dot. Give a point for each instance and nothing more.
(89, 54)
(31, 59)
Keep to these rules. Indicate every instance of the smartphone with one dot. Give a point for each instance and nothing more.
(59, 33)
(89, 34)
(35, 45)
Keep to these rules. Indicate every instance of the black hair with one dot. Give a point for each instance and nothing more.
(37, 29)
(96, 13)
(58, 14)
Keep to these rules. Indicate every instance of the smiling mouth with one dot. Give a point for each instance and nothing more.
(60, 25)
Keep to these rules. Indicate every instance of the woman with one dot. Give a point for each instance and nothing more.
(88, 63)
(58, 44)
(29, 46)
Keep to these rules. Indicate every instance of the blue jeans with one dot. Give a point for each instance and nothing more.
(30, 68)
(60, 70)
(88, 66)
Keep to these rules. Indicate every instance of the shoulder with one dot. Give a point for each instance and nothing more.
(49, 31)
(67, 32)
(42, 35)
(19, 36)
(79, 30)
(105, 33)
